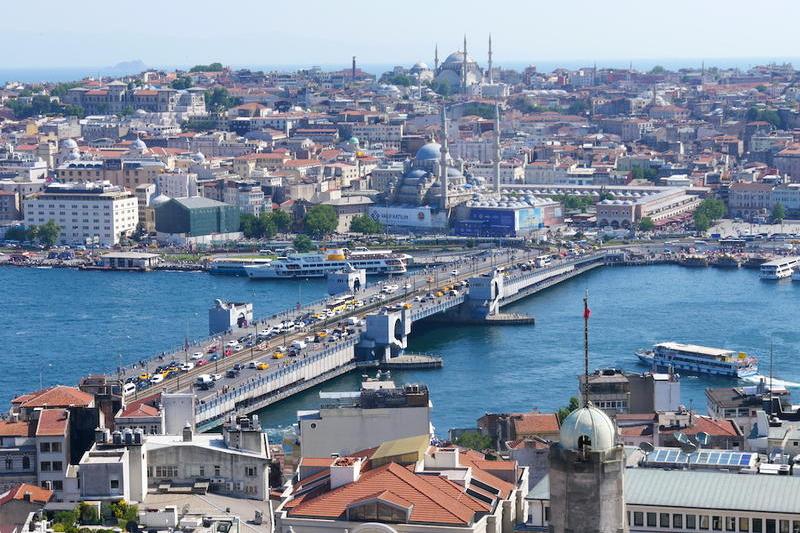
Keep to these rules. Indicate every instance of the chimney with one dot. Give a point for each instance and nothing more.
(187, 433)
(354, 68)
(345, 470)
(447, 458)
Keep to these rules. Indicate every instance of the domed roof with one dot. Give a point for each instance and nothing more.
(588, 425)
(419, 65)
(353, 140)
(428, 151)
(69, 144)
(417, 174)
(199, 157)
(457, 58)
(138, 145)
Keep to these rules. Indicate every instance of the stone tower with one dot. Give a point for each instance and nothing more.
(443, 160)
(587, 467)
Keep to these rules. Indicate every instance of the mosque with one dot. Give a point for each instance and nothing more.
(459, 70)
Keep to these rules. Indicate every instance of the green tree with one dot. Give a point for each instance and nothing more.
(778, 212)
(281, 219)
(48, 233)
(87, 514)
(658, 69)
(212, 67)
(474, 441)
(646, 224)
(365, 224)
(124, 511)
(266, 225)
(181, 82)
(320, 221)
(578, 107)
(17, 233)
(248, 225)
(219, 99)
(303, 243)
(701, 221)
(574, 403)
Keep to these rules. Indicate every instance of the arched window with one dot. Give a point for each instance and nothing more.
(584, 442)
(26, 463)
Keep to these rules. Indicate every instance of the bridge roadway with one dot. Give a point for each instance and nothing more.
(254, 389)
(418, 281)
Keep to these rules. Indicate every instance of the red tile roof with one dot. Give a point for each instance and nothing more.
(58, 396)
(435, 499)
(139, 410)
(52, 423)
(532, 423)
(14, 429)
(19, 492)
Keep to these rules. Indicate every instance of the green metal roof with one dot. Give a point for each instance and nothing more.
(703, 490)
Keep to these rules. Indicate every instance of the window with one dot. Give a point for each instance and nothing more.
(58, 485)
(217, 471)
(250, 471)
(55, 447)
(44, 447)
(44, 466)
(691, 521)
(716, 523)
(663, 520)
(202, 471)
(26, 463)
(703, 522)
(166, 471)
(651, 519)
(58, 466)
(758, 525)
(677, 521)
(114, 484)
(796, 526)
(744, 525)
(9, 464)
(783, 526)
(730, 523)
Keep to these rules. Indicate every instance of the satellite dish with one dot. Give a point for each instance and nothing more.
(646, 447)
(688, 447)
(680, 437)
(703, 438)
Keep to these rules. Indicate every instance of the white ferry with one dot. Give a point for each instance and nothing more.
(319, 264)
(699, 360)
(780, 268)
(235, 266)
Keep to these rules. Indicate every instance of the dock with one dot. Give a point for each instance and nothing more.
(410, 361)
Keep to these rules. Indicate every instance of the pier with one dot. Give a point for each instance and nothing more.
(265, 375)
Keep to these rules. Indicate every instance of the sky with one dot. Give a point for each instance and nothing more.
(161, 33)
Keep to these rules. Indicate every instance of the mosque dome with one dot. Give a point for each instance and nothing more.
(199, 157)
(428, 151)
(140, 113)
(587, 425)
(417, 174)
(456, 58)
(69, 144)
(138, 145)
(353, 140)
(419, 65)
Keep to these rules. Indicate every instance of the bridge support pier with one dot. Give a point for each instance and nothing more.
(385, 336)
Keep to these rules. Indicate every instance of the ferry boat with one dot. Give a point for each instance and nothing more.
(235, 266)
(699, 359)
(320, 264)
(779, 268)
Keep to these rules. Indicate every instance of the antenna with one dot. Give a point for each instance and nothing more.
(770, 375)
(586, 314)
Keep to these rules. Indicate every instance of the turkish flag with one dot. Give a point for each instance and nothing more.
(586, 312)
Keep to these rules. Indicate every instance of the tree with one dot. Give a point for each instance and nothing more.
(701, 221)
(303, 243)
(562, 413)
(658, 69)
(17, 233)
(474, 440)
(181, 82)
(365, 224)
(212, 67)
(247, 225)
(320, 221)
(218, 100)
(778, 212)
(646, 224)
(124, 511)
(281, 219)
(48, 233)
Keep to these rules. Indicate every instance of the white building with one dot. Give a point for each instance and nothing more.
(95, 212)
(177, 184)
(350, 421)
(246, 195)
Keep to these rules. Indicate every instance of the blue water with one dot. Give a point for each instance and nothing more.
(80, 322)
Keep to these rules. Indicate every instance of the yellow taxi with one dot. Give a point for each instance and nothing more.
(278, 355)
(262, 366)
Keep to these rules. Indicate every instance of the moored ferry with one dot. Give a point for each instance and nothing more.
(320, 264)
(235, 266)
(699, 359)
(779, 268)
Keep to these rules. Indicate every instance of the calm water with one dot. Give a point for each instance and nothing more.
(79, 322)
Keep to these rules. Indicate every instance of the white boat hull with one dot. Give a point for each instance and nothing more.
(650, 360)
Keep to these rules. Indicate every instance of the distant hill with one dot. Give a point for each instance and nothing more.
(128, 67)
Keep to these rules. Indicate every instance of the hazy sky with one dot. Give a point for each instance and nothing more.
(250, 32)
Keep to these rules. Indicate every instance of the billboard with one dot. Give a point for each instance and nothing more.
(409, 217)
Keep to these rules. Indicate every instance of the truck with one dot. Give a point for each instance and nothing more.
(298, 344)
(204, 381)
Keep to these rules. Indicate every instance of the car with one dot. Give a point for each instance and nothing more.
(454, 272)
(197, 355)
(144, 376)
(408, 286)
(278, 355)
(188, 365)
(231, 373)
(156, 379)
(253, 364)
(238, 366)
(262, 366)
(202, 362)
(211, 349)
(214, 357)
(216, 377)
(231, 343)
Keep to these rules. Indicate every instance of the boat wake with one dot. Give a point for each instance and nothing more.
(778, 382)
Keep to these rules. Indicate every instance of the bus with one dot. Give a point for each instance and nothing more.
(341, 303)
(736, 245)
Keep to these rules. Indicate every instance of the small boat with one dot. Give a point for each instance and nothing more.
(699, 360)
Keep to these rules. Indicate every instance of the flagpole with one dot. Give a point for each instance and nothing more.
(586, 314)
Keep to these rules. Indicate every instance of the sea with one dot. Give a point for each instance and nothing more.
(61, 324)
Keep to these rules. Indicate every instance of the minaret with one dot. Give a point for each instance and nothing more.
(464, 68)
(497, 147)
(491, 80)
(443, 160)
(436, 58)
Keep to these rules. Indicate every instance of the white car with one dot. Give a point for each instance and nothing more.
(231, 344)
(454, 272)
(216, 377)
(188, 365)
(197, 356)
(156, 379)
